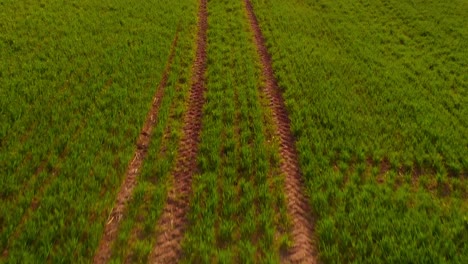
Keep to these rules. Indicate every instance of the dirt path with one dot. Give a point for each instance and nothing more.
(303, 249)
(103, 252)
(172, 224)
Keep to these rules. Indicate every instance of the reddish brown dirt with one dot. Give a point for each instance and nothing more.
(103, 252)
(303, 249)
(173, 222)
(138, 232)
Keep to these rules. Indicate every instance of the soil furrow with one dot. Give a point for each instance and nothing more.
(172, 224)
(303, 249)
(103, 253)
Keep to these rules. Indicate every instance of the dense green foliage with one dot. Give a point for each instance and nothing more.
(377, 94)
(77, 79)
(238, 212)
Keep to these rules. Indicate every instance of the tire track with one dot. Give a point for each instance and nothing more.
(104, 251)
(303, 249)
(172, 224)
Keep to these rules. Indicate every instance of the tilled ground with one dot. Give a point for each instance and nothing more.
(126, 190)
(303, 250)
(173, 221)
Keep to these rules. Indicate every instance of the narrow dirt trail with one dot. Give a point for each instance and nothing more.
(303, 249)
(103, 252)
(173, 222)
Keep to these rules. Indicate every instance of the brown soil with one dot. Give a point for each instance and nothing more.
(138, 232)
(303, 249)
(384, 166)
(103, 252)
(173, 222)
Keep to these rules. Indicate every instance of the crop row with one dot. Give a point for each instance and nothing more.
(238, 211)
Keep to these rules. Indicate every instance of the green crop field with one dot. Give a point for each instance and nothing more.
(377, 92)
(99, 128)
(235, 213)
(77, 78)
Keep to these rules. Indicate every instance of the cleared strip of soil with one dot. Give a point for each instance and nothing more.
(103, 252)
(173, 222)
(303, 249)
